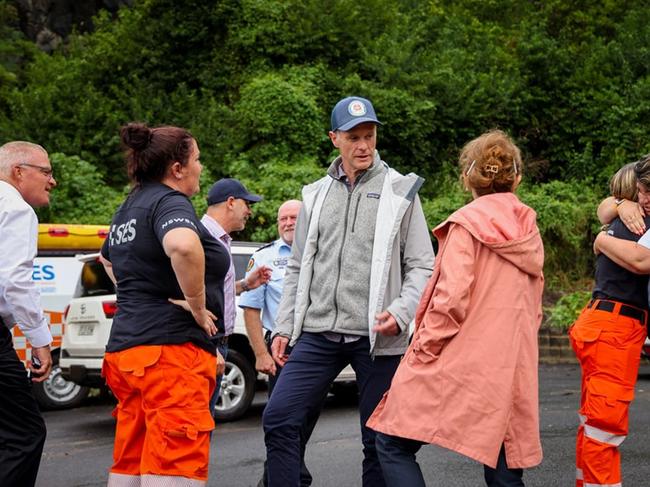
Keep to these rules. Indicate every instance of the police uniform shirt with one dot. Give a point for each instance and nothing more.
(267, 297)
(144, 274)
(615, 282)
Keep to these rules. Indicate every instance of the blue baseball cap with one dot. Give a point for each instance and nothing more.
(227, 187)
(351, 111)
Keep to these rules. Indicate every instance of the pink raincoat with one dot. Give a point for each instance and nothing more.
(468, 381)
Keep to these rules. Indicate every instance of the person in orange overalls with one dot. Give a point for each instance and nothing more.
(607, 338)
(159, 361)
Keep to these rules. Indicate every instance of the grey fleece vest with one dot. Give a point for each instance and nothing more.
(341, 278)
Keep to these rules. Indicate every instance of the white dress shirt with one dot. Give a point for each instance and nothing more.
(20, 299)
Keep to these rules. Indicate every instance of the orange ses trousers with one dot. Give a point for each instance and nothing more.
(163, 427)
(608, 346)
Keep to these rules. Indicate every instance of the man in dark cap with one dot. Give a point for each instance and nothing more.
(360, 259)
(229, 207)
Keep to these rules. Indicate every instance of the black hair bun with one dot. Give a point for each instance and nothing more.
(136, 136)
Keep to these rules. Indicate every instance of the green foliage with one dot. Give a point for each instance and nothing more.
(277, 181)
(566, 309)
(448, 197)
(566, 219)
(83, 198)
(567, 222)
(254, 80)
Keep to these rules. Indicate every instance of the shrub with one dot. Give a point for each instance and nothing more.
(81, 195)
(564, 312)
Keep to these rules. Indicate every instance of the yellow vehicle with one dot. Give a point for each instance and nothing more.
(56, 272)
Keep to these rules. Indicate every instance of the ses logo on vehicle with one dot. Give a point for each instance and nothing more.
(43, 272)
(56, 275)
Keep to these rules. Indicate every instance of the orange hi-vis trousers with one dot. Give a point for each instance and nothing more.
(163, 427)
(608, 346)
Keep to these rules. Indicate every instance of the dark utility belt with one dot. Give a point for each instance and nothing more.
(626, 309)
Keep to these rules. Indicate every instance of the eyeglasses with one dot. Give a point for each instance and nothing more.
(45, 171)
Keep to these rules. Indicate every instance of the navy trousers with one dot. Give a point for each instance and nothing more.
(397, 457)
(223, 350)
(305, 434)
(313, 364)
(22, 429)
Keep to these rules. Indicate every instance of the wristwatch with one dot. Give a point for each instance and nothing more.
(244, 285)
(618, 201)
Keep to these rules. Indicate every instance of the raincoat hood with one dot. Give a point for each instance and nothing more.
(503, 224)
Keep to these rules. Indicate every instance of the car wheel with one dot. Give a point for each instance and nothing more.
(237, 388)
(58, 393)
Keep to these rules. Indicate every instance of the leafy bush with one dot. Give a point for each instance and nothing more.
(255, 80)
(566, 216)
(84, 198)
(565, 311)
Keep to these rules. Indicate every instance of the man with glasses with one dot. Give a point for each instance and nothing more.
(25, 181)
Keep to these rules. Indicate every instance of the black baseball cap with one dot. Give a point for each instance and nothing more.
(227, 187)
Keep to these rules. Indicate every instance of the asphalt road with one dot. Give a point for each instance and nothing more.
(78, 449)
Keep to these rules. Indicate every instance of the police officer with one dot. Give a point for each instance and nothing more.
(261, 305)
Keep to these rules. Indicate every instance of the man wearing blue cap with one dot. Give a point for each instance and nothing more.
(228, 211)
(360, 259)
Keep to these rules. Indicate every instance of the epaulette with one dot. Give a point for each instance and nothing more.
(265, 246)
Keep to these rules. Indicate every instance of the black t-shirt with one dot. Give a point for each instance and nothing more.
(145, 278)
(615, 282)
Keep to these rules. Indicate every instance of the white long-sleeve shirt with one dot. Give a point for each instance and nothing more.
(20, 299)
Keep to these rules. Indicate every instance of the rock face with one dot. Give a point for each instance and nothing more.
(49, 22)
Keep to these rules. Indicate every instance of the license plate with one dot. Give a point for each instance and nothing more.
(86, 330)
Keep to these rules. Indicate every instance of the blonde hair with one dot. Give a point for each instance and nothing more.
(491, 163)
(623, 183)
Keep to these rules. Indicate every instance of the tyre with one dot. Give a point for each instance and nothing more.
(58, 393)
(237, 388)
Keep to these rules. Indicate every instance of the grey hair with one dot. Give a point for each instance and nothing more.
(13, 153)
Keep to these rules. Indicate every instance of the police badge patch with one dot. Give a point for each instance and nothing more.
(251, 263)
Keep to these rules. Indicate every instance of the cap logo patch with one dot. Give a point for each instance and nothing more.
(357, 108)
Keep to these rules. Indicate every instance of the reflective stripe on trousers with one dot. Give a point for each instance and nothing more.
(123, 480)
(608, 346)
(603, 485)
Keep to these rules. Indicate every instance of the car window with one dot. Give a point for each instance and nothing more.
(241, 262)
(94, 280)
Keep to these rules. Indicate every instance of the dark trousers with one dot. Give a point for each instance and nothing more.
(22, 429)
(313, 365)
(223, 350)
(397, 457)
(305, 433)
